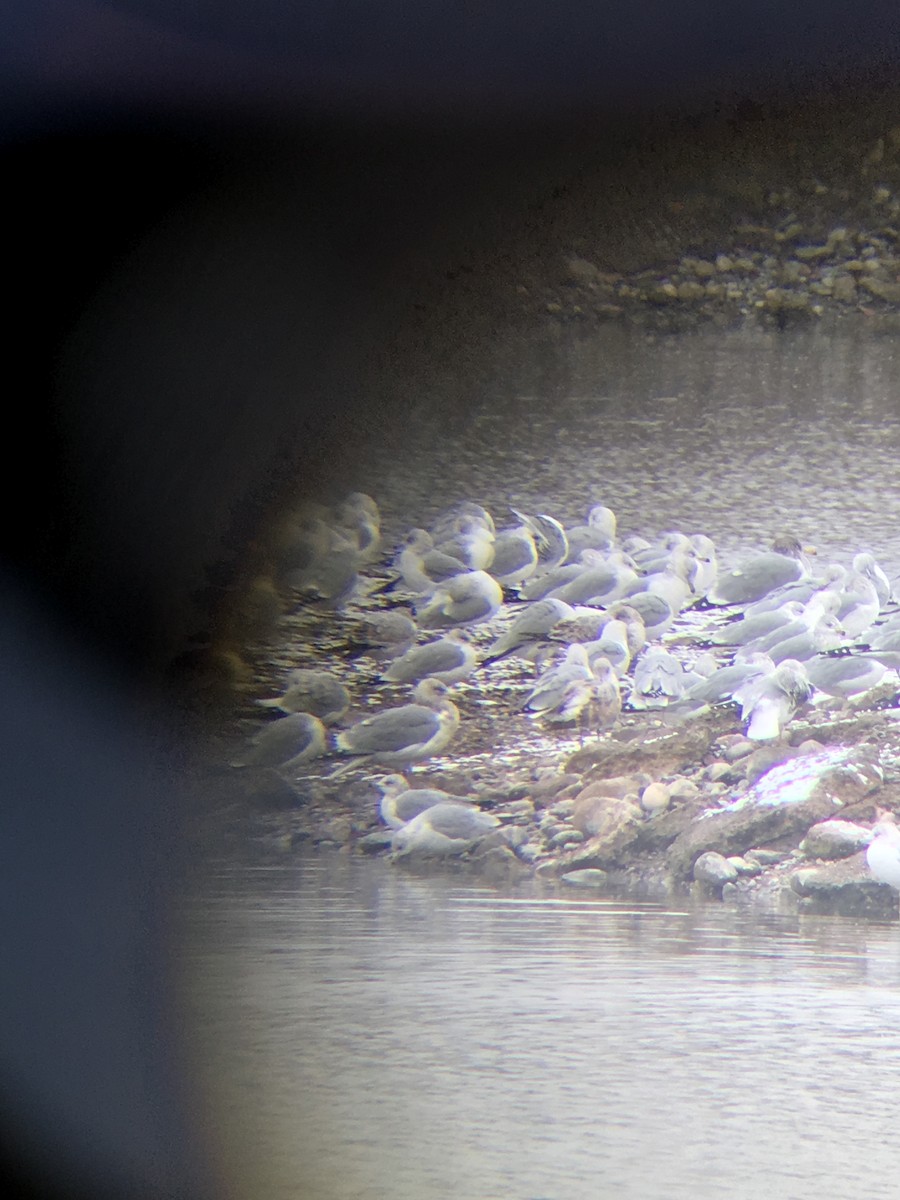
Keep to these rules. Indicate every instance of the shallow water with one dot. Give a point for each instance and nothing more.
(739, 435)
(364, 1033)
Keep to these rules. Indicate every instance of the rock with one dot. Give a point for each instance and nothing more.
(762, 761)
(529, 852)
(736, 747)
(665, 752)
(845, 888)
(713, 870)
(618, 785)
(591, 814)
(519, 810)
(723, 772)
(655, 798)
(835, 839)
(376, 841)
(681, 789)
(882, 289)
(843, 288)
(744, 866)
(580, 270)
(589, 877)
(566, 837)
(765, 858)
(544, 789)
(267, 789)
(691, 290)
(731, 832)
(616, 825)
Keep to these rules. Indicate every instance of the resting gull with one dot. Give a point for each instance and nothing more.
(408, 734)
(316, 692)
(531, 627)
(464, 600)
(768, 703)
(400, 802)
(758, 576)
(287, 742)
(449, 659)
(442, 830)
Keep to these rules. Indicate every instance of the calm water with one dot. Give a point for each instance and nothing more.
(739, 435)
(365, 1034)
(369, 1034)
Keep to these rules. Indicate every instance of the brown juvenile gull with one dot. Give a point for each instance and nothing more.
(594, 704)
(441, 831)
(408, 734)
(449, 659)
(383, 635)
(287, 742)
(552, 686)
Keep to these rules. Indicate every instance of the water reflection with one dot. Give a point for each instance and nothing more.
(365, 1033)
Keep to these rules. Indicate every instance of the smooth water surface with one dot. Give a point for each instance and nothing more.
(740, 435)
(366, 1033)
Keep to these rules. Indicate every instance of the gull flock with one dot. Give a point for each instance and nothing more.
(602, 626)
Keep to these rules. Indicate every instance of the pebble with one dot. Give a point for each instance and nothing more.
(744, 866)
(714, 870)
(588, 877)
(655, 798)
(682, 789)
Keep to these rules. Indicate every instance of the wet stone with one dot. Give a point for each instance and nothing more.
(655, 798)
(844, 888)
(713, 870)
(744, 866)
(681, 789)
(590, 877)
(765, 857)
(566, 837)
(835, 839)
(736, 747)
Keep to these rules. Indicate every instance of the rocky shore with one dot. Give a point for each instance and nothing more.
(659, 806)
(811, 239)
